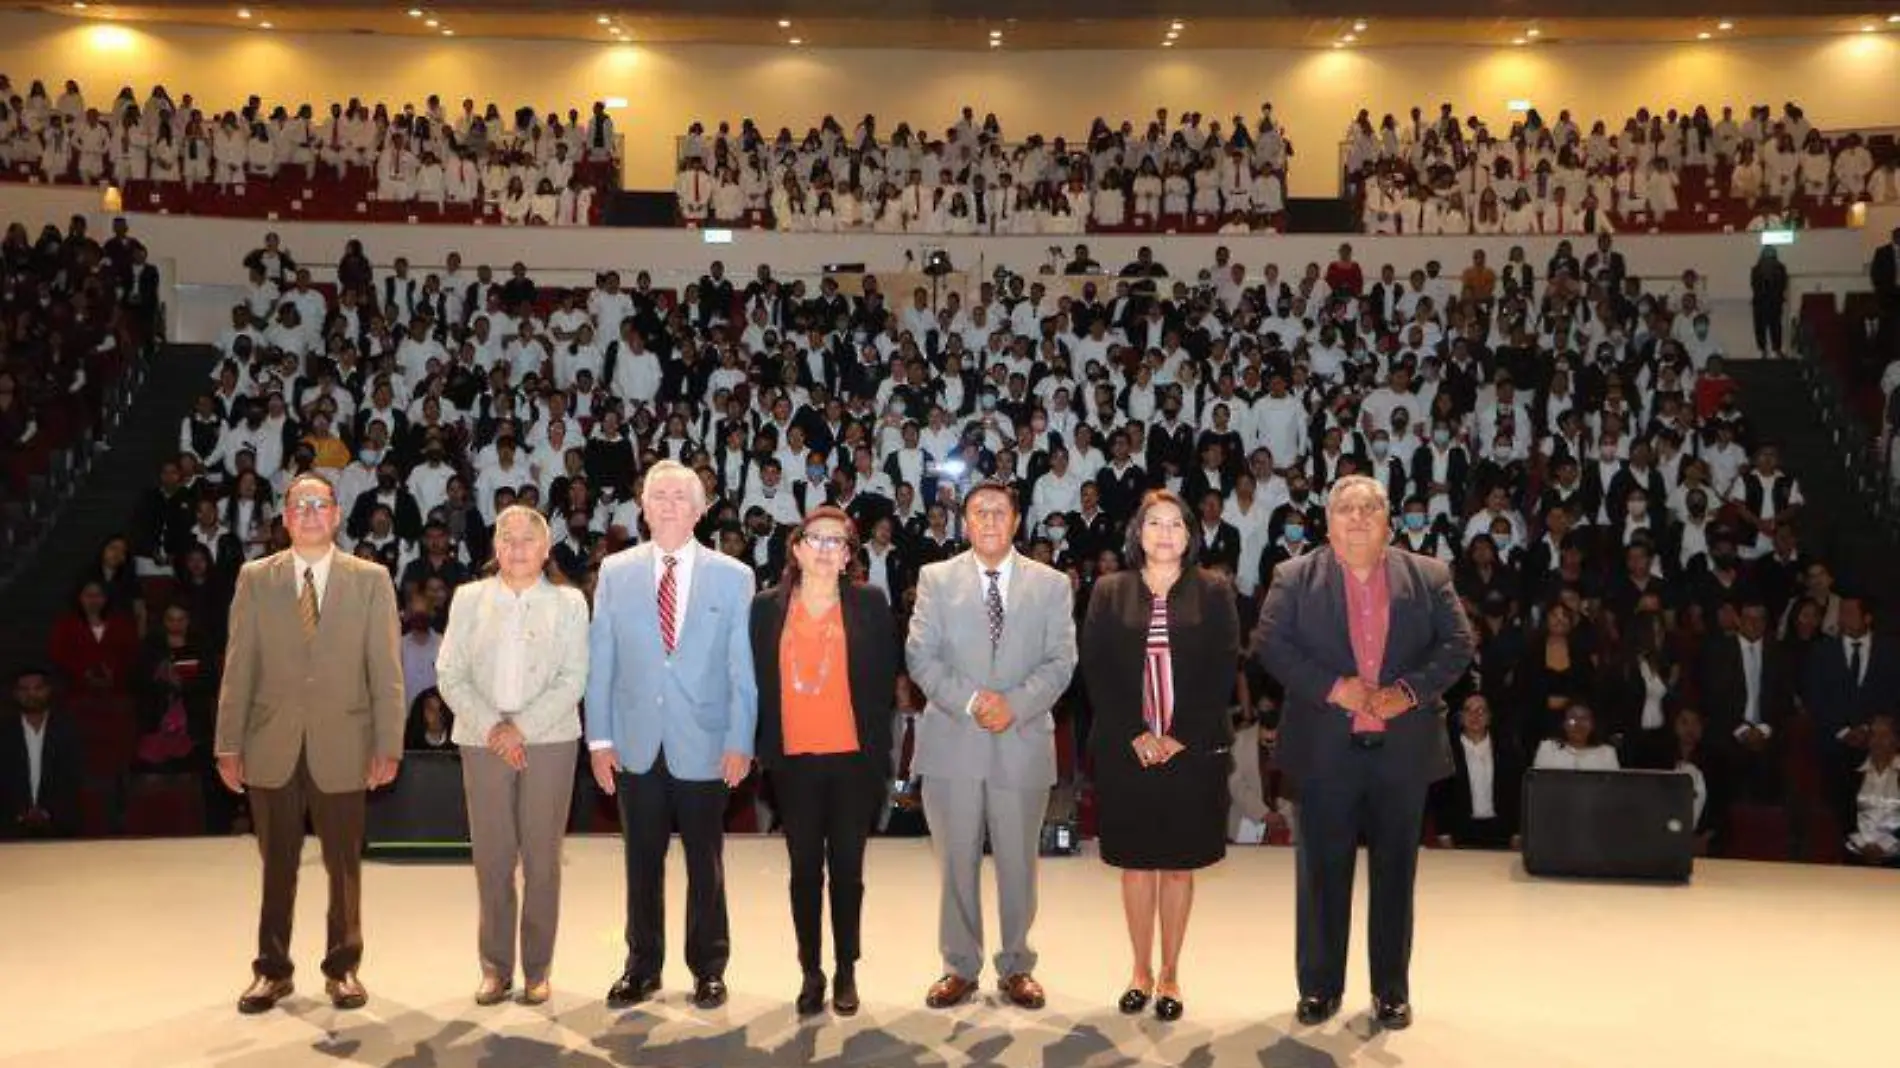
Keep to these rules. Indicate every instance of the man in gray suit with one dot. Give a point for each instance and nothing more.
(992, 645)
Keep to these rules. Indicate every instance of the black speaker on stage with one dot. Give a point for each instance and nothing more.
(422, 814)
(1609, 824)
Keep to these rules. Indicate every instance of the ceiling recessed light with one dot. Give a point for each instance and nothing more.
(1172, 34)
(1893, 18)
(1869, 28)
(603, 20)
(1533, 32)
(265, 26)
(1339, 44)
(1725, 25)
(1177, 24)
(415, 12)
(1359, 26)
(785, 24)
(996, 43)
(432, 24)
(797, 40)
(1167, 44)
(244, 12)
(996, 33)
(1350, 38)
(448, 33)
(1517, 40)
(78, 5)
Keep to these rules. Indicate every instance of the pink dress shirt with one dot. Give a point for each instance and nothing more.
(1368, 617)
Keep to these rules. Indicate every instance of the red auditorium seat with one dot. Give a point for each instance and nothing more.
(1759, 832)
(164, 806)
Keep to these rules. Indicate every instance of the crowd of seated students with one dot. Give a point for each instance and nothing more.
(520, 168)
(1185, 175)
(1560, 432)
(73, 313)
(1446, 175)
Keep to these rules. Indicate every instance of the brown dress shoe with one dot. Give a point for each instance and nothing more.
(263, 995)
(493, 990)
(1022, 990)
(347, 992)
(948, 991)
(537, 993)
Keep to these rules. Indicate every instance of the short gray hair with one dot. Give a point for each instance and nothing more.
(669, 470)
(1355, 484)
(531, 516)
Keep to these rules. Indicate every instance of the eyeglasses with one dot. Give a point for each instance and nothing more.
(308, 506)
(826, 543)
(1364, 509)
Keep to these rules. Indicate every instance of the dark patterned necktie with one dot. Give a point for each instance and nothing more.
(307, 608)
(995, 599)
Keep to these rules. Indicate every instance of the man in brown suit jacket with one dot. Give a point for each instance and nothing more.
(311, 713)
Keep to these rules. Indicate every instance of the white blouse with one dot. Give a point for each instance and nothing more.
(1559, 756)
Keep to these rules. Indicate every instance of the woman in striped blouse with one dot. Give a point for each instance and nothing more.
(1160, 652)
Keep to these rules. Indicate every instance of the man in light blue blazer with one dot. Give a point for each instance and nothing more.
(672, 706)
(992, 645)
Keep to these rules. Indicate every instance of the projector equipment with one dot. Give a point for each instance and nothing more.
(842, 268)
(1609, 824)
(937, 263)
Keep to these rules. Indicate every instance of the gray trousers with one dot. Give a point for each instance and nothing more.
(518, 818)
(960, 812)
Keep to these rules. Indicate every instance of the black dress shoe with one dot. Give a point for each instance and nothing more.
(1133, 1001)
(709, 992)
(631, 989)
(811, 996)
(1393, 1015)
(1315, 1010)
(263, 995)
(1168, 1009)
(844, 993)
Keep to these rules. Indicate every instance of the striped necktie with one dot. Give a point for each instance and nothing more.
(307, 604)
(669, 605)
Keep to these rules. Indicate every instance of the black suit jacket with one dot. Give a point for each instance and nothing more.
(1203, 647)
(1885, 272)
(1725, 689)
(1451, 798)
(870, 649)
(1304, 641)
(1225, 547)
(62, 771)
(1834, 698)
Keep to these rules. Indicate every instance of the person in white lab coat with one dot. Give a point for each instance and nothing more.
(694, 189)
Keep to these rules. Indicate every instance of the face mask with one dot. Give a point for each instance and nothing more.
(1501, 453)
(1380, 448)
(1441, 438)
(1295, 532)
(1056, 534)
(1415, 520)
(1503, 541)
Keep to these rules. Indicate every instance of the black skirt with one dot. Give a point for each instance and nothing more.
(1172, 817)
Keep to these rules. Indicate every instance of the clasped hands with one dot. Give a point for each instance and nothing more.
(733, 768)
(991, 711)
(1156, 749)
(1361, 698)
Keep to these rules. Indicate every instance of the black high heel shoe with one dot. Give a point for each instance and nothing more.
(1133, 1001)
(1168, 1009)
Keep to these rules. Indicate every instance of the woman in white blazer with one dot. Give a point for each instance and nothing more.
(513, 668)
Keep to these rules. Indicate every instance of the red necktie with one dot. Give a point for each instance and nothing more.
(669, 605)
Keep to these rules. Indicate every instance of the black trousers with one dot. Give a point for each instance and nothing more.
(828, 806)
(1366, 792)
(1768, 318)
(277, 816)
(653, 804)
(1493, 833)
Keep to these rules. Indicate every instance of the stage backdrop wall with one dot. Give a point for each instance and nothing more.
(1847, 80)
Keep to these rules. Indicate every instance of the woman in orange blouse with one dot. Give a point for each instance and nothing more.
(826, 655)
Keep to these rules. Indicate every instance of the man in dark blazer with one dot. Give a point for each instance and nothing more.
(1220, 540)
(1846, 681)
(41, 766)
(1747, 691)
(1884, 273)
(1365, 638)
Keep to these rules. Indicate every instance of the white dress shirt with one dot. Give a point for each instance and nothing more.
(511, 655)
(688, 556)
(1558, 756)
(1877, 806)
(1482, 769)
(1004, 571)
(1655, 688)
(1751, 681)
(35, 757)
(320, 572)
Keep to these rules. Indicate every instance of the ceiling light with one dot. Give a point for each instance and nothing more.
(785, 24)
(448, 33)
(1172, 34)
(78, 5)
(995, 34)
(1533, 32)
(1167, 44)
(797, 41)
(1350, 38)
(603, 20)
(1177, 24)
(1517, 40)
(1869, 28)
(1893, 18)
(1703, 36)
(1339, 44)
(415, 12)
(1725, 25)
(432, 24)
(244, 12)
(995, 43)
(265, 26)
(1359, 26)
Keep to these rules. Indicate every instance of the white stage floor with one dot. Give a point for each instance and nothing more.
(133, 953)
